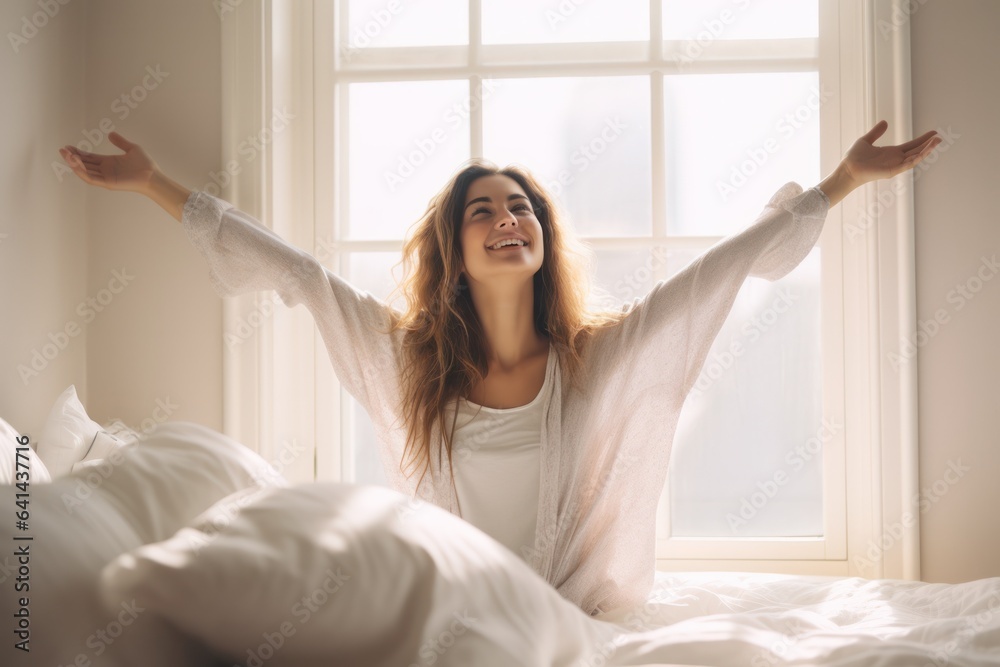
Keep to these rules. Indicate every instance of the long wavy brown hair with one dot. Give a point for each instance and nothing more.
(444, 348)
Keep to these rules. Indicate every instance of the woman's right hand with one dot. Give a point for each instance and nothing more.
(132, 171)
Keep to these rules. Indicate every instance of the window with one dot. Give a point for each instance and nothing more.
(662, 126)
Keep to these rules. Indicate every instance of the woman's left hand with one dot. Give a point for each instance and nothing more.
(865, 162)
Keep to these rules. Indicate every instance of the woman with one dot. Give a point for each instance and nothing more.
(556, 423)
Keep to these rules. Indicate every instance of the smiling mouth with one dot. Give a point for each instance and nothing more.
(507, 247)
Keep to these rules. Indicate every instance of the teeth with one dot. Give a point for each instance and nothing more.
(507, 242)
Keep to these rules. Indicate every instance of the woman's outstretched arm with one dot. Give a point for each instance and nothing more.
(133, 171)
(168, 193)
(243, 256)
(672, 328)
(865, 162)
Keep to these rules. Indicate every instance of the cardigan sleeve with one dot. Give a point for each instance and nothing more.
(672, 328)
(245, 256)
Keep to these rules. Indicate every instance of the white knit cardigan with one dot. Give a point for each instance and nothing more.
(604, 447)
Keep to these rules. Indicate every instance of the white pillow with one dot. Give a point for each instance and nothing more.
(103, 445)
(83, 520)
(123, 433)
(67, 435)
(9, 444)
(329, 573)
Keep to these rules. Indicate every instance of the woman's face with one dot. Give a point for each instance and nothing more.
(496, 207)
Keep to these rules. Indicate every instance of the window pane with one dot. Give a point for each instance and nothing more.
(406, 140)
(731, 141)
(371, 272)
(708, 20)
(428, 23)
(586, 139)
(374, 272)
(367, 464)
(533, 22)
(747, 454)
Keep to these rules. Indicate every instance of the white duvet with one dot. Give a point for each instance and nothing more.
(735, 618)
(187, 551)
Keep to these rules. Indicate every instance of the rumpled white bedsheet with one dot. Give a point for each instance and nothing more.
(761, 620)
(409, 568)
(412, 566)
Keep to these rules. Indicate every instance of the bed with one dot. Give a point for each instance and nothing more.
(180, 546)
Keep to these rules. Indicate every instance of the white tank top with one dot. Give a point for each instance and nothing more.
(496, 460)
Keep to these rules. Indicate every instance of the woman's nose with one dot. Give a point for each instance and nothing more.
(507, 219)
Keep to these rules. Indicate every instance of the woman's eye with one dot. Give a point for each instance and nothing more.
(519, 207)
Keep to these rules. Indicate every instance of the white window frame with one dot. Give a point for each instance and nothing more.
(279, 54)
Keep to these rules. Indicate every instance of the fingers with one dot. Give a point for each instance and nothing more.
(79, 168)
(88, 172)
(877, 131)
(87, 158)
(918, 154)
(912, 143)
(120, 141)
(923, 148)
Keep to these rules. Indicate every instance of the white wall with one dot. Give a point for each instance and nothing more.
(43, 257)
(160, 341)
(955, 54)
